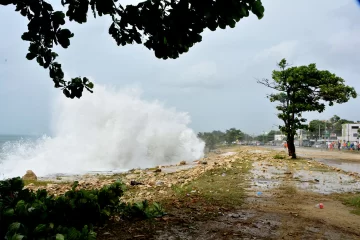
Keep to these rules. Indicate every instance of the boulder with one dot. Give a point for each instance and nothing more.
(182, 163)
(29, 176)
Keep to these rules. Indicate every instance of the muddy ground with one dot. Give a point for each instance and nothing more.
(241, 193)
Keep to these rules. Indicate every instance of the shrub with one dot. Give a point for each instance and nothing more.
(25, 214)
(279, 156)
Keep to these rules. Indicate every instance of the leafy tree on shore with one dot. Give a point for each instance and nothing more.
(214, 138)
(304, 89)
(168, 27)
(233, 135)
(209, 139)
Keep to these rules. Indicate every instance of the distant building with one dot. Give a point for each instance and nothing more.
(350, 132)
(279, 137)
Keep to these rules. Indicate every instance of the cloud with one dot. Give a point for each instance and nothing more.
(201, 75)
(285, 49)
(222, 69)
(345, 42)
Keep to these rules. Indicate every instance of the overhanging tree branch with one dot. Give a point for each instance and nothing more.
(169, 28)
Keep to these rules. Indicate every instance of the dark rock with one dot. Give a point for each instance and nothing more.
(135, 183)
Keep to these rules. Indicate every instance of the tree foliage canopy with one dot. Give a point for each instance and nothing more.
(333, 125)
(168, 27)
(232, 135)
(270, 136)
(214, 138)
(304, 89)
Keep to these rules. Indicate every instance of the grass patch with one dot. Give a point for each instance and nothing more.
(220, 186)
(279, 156)
(353, 201)
(320, 169)
(37, 183)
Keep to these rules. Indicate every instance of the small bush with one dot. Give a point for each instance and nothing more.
(36, 215)
(141, 210)
(354, 201)
(279, 156)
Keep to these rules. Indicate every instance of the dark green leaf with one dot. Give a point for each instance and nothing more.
(14, 227)
(30, 56)
(66, 93)
(26, 36)
(90, 85)
(47, 6)
(9, 212)
(40, 228)
(17, 237)
(60, 237)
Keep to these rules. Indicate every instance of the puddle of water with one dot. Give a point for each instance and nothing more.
(265, 184)
(265, 177)
(326, 182)
(346, 166)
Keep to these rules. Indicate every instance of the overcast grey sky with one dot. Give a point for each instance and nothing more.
(214, 81)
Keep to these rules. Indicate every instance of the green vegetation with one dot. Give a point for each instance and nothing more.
(232, 135)
(158, 25)
(37, 215)
(353, 201)
(279, 156)
(214, 138)
(304, 89)
(270, 136)
(36, 183)
(220, 186)
(333, 125)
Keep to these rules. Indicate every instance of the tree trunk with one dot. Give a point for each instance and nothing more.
(291, 146)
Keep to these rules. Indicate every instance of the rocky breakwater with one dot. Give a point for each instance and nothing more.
(148, 183)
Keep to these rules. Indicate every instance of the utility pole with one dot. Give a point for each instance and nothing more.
(264, 137)
(325, 130)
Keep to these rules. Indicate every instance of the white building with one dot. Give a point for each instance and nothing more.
(350, 132)
(279, 137)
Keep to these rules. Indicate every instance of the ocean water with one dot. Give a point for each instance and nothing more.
(12, 140)
(4, 138)
(10, 143)
(110, 130)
